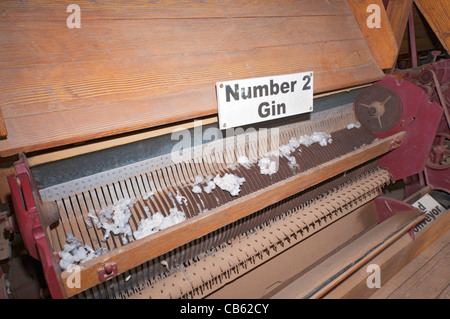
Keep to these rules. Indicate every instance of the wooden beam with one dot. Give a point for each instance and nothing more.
(137, 65)
(147, 248)
(3, 131)
(381, 41)
(398, 13)
(437, 14)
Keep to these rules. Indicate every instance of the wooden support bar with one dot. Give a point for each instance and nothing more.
(3, 131)
(140, 251)
(381, 40)
(398, 13)
(437, 14)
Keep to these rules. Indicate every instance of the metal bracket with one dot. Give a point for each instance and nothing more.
(107, 271)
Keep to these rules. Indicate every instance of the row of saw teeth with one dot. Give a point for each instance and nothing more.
(282, 241)
(267, 164)
(350, 203)
(115, 220)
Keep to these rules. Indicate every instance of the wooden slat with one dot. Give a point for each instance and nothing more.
(398, 13)
(413, 257)
(397, 263)
(3, 130)
(428, 281)
(101, 41)
(437, 14)
(143, 9)
(424, 38)
(56, 88)
(152, 67)
(381, 41)
(140, 251)
(32, 132)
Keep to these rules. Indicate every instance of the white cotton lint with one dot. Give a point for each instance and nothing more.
(196, 189)
(210, 185)
(158, 222)
(353, 125)
(74, 253)
(292, 160)
(286, 150)
(115, 219)
(181, 199)
(198, 179)
(230, 183)
(317, 137)
(148, 195)
(243, 160)
(267, 166)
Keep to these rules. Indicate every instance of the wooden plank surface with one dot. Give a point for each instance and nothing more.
(381, 41)
(323, 277)
(437, 14)
(3, 131)
(398, 262)
(132, 66)
(414, 280)
(429, 280)
(173, 9)
(398, 13)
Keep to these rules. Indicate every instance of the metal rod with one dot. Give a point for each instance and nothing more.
(412, 39)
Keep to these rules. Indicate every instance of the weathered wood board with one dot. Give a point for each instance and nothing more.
(134, 65)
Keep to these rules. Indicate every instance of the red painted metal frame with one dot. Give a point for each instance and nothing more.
(434, 78)
(420, 120)
(388, 207)
(31, 229)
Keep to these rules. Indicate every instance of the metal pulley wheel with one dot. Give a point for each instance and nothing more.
(439, 157)
(378, 108)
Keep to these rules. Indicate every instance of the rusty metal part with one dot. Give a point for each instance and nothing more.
(378, 108)
(442, 98)
(229, 261)
(440, 152)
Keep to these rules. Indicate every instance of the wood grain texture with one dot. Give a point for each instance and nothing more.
(425, 39)
(381, 41)
(132, 66)
(398, 262)
(3, 130)
(398, 13)
(326, 275)
(437, 14)
(173, 9)
(140, 251)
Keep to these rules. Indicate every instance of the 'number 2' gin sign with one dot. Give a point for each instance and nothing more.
(254, 100)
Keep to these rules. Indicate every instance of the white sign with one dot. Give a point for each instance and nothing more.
(431, 207)
(248, 101)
